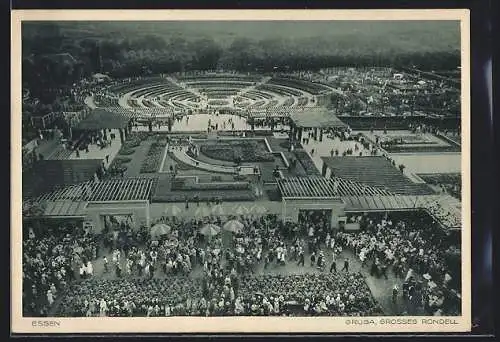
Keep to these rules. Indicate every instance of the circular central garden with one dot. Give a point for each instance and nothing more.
(251, 150)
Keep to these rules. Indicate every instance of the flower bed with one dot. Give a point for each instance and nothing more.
(126, 151)
(118, 166)
(226, 195)
(286, 144)
(306, 162)
(421, 148)
(134, 140)
(152, 162)
(247, 150)
(122, 160)
(210, 186)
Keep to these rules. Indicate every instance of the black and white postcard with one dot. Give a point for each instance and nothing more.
(240, 171)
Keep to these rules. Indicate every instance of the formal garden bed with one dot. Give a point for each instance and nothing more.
(421, 148)
(249, 150)
(223, 195)
(119, 165)
(185, 185)
(151, 163)
(306, 162)
(395, 142)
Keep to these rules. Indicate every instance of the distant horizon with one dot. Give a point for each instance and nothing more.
(397, 35)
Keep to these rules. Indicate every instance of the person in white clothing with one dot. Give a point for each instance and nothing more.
(50, 297)
(53, 289)
(90, 268)
(409, 274)
(362, 256)
(103, 308)
(332, 243)
(327, 240)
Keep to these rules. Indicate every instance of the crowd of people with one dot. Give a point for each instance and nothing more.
(51, 262)
(187, 272)
(416, 252)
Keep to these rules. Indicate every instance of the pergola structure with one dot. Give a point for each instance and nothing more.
(321, 188)
(308, 188)
(310, 193)
(104, 118)
(154, 113)
(274, 112)
(91, 200)
(129, 189)
(342, 195)
(317, 118)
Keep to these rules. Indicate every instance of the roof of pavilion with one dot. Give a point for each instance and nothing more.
(104, 118)
(382, 202)
(307, 187)
(361, 197)
(316, 117)
(128, 189)
(320, 187)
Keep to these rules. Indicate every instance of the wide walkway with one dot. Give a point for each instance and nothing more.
(95, 152)
(441, 162)
(324, 148)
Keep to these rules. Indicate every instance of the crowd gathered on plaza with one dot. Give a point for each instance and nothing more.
(188, 270)
(49, 263)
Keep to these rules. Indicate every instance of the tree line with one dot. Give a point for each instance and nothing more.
(54, 59)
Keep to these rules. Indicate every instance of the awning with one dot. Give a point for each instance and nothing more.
(105, 119)
(316, 118)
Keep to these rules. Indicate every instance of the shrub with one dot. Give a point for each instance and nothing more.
(206, 195)
(210, 186)
(131, 144)
(123, 160)
(306, 162)
(126, 151)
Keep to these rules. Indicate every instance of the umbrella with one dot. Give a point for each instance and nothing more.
(258, 209)
(241, 210)
(218, 210)
(202, 212)
(210, 230)
(233, 226)
(160, 229)
(172, 211)
(176, 211)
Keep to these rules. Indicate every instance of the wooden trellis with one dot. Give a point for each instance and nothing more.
(131, 189)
